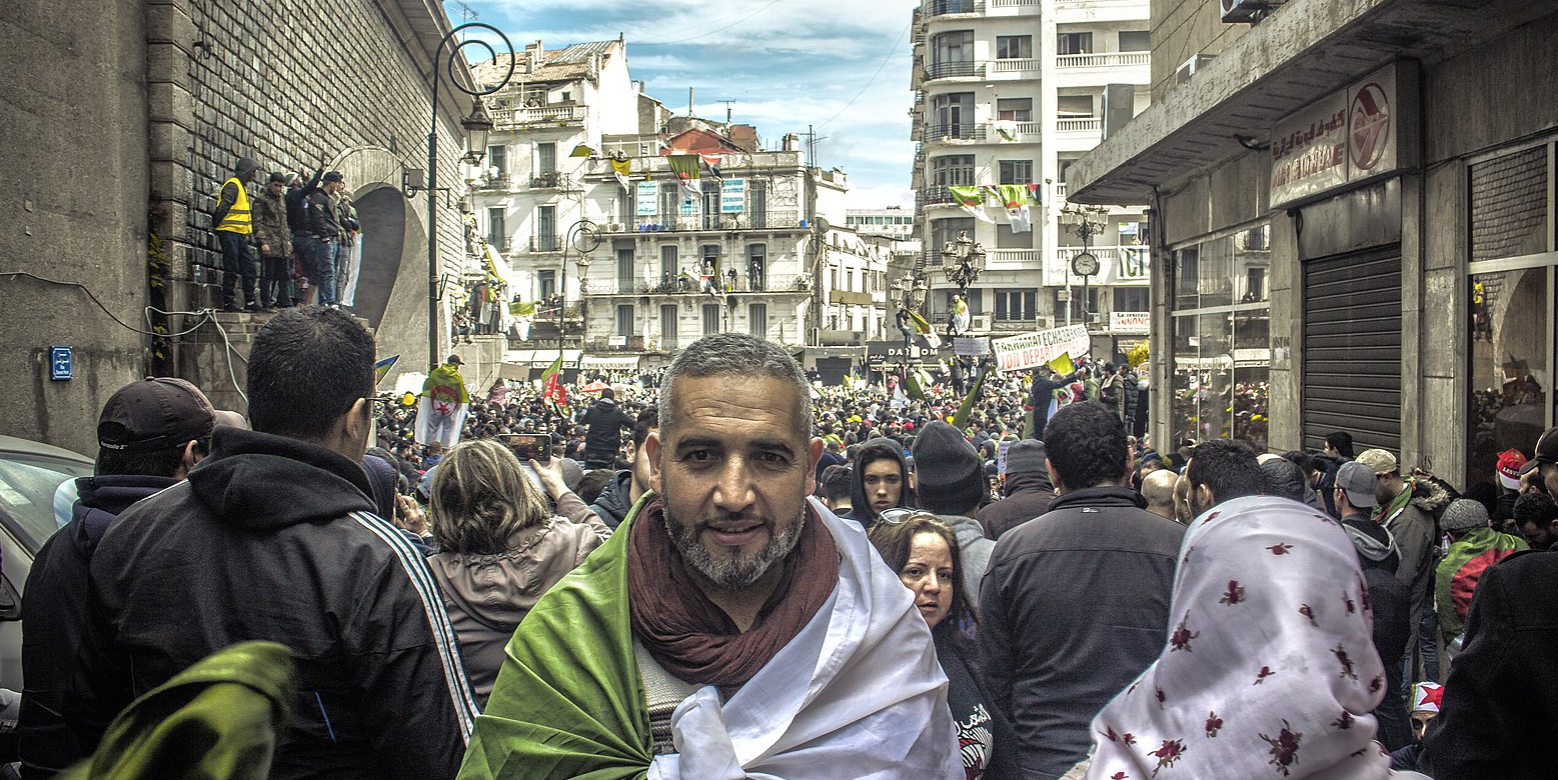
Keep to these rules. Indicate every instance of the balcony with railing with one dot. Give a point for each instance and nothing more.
(544, 243)
(732, 162)
(551, 180)
(1013, 257)
(1015, 65)
(693, 285)
(769, 220)
(957, 131)
(1086, 124)
(529, 116)
(1107, 59)
(950, 70)
(936, 195)
(495, 181)
(573, 311)
(931, 8)
(604, 344)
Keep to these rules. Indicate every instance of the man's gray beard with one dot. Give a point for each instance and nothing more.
(731, 572)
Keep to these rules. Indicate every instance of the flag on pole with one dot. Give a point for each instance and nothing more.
(685, 166)
(972, 200)
(551, 381)
(582, 150)
(960, 420)
(924, 329)
(712, 162)
(1063, 364)
(381, 368)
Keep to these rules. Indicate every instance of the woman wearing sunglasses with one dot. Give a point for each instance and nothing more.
(924, 552)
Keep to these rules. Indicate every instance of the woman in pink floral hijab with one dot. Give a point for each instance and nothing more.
(1269, 670)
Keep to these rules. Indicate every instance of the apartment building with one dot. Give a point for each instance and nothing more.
(892, 222)
(1013, 92)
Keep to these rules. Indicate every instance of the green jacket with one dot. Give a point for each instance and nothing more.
(1459, 570)
(216, 720)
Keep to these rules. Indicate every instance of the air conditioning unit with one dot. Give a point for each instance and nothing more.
(979, 322)
(1044, 323)
(1248, 11)
(1185, 72)
(614, 227)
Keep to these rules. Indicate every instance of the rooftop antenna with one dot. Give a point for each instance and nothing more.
(811, 146)
(728, 104)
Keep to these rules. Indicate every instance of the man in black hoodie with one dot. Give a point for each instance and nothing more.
(625, 486)
(149, 435)
(603, 439)
(879, 487)
(1028, 490)
(273, 537)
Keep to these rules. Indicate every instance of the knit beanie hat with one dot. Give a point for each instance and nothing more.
(1025, 457)
(948, 473)
(1464, 514)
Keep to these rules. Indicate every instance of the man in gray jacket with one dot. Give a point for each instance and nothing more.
(950, 482)
(1074, 604)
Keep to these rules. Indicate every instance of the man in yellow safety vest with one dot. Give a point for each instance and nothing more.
(233, 225)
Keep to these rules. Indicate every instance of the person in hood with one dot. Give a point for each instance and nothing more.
(500, 547)
(1027, 489)
(880, 480)
(234, 225)
(950, 483)
(1409, 508)
(603, 439)
(274, 538)
(1379, 559)
(626, 485)
(149, 435)
(442, 407)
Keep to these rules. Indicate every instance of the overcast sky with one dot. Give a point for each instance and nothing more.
(786, 63)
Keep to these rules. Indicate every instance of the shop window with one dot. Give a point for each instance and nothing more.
(1511, 320)
(1509, 205)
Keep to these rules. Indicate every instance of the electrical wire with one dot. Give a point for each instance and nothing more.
(84, 289)
(231, 373)
(765, 7)
(872, 80)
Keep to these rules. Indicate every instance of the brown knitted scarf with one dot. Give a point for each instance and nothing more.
(689, 635)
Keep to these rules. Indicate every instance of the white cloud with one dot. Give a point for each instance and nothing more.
(878, 196)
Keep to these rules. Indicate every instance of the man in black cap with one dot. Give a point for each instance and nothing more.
(274, 236)
(1541, 471)
(274, 537)
(949, 482)
(1074, 604)
(1028, 490)
(233, 224)
(322, 237)
(150, 434)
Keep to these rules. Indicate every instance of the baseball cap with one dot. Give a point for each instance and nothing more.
(1510, 465)
(1379, 461)
(153, 414)
(455, 359)
(1546, 450)
(1358, 481)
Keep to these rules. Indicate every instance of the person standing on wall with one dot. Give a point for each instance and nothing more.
(233, 227)
(274, 235)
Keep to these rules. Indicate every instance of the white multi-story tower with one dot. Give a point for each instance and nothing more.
(1011, 92)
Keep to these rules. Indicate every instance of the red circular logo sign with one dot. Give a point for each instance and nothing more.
(1369, 124)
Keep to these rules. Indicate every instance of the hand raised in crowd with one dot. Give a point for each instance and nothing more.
(551, 474)
(410, 516)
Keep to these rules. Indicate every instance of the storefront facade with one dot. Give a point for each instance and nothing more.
(1354, 234)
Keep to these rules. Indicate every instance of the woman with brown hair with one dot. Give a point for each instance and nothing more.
(501, 546)
(924, 552)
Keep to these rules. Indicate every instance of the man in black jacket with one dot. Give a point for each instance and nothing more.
(603, 439)
(1391, 602)
(149, 435)
(321, 239)
(1042, 394)
(273, 537)
(626, 485)
(1075, 603)
(1028, 490)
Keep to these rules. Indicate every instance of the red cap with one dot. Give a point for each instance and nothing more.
(1509, 465)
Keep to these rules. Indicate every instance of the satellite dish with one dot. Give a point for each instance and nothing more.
(822, 224)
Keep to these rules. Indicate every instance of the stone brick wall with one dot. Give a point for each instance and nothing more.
(1509, 205)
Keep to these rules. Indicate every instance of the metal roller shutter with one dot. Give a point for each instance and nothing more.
(1352, 348)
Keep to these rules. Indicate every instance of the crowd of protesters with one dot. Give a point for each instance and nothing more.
(730, 570)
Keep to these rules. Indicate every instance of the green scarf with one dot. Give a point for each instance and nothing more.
(569, 701)
(1386, 513)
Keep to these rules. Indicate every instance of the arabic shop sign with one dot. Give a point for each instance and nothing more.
(1342, 139)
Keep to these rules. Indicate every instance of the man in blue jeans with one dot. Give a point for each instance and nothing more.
(233, 226)
(322, 235)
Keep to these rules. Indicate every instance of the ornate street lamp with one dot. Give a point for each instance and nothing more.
(478, 127)
(1079, 220)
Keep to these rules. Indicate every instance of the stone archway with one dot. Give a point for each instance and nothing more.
(382, 212)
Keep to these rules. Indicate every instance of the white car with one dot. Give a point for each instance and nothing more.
(30, 475)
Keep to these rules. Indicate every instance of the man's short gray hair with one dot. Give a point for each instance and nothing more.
(725, 354)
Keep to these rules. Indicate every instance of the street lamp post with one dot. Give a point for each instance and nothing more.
(962, 260)
(477, 126)
(583, 236)
(1077, 220)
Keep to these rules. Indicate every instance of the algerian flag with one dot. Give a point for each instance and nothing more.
(381, 368)
(960, 420)
(685, 166)
(552, 370)
(972, 199)
(1014, 197)
(1063, 364)
(924, 329)
(582, 150)
(522, 309)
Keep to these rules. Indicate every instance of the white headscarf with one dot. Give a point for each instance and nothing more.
(1269, 670)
